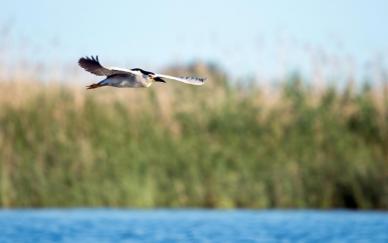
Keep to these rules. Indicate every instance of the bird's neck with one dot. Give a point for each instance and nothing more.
(147, 83)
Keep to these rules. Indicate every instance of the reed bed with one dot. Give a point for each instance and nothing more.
(223, 145)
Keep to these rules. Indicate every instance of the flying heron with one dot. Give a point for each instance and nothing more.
(133, 78)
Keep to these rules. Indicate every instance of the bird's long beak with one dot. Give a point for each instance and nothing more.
(157, 79)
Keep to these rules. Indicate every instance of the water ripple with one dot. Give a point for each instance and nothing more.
(115, 225)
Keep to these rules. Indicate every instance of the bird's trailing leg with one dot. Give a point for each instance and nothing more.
(95, 86)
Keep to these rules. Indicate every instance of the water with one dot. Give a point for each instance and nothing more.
(114, 225)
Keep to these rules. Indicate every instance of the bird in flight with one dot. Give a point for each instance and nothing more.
(132, 78)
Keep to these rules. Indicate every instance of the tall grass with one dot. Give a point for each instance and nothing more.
(220, 145)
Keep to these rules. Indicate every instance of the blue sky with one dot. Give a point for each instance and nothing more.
(243, 37)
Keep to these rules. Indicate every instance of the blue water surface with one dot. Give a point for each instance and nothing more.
(164, 225)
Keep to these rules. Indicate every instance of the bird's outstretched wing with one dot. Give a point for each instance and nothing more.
(92, 64)
(187, 80)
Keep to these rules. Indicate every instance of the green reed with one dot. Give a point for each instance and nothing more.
(220, 145)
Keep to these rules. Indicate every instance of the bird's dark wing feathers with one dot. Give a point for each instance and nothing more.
(92, 64)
